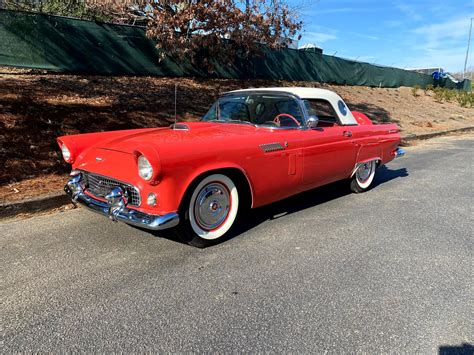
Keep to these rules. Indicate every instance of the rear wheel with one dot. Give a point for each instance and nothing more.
(210, 211)
(363, 177)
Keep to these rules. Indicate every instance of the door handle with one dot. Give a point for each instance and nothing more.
(347, 133)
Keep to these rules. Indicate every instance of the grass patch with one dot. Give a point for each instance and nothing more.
(463, 98)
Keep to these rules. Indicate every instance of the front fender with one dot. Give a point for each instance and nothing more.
(173, 187)
(214, 167)
(153, 157)
(80, 144)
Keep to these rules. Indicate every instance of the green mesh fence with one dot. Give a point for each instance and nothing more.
(69, 45)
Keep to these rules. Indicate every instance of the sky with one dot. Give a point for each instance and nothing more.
(400, 33)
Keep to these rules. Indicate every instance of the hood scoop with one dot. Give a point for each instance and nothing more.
(179, 127)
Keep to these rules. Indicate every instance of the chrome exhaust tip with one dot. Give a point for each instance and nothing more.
(399, 152)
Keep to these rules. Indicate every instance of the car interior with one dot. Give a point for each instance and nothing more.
(271, 110)
(268, 110)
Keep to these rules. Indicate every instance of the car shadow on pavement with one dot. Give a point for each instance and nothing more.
(464, 349)
(252, 218)
(384, 174)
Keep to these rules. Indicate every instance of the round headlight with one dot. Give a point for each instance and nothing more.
(145, 170)
(66, 153)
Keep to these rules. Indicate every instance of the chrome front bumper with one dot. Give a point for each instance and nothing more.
(115, 207)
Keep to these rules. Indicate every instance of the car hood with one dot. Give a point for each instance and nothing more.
(186, 132)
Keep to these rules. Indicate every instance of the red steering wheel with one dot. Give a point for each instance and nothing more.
(277, 118)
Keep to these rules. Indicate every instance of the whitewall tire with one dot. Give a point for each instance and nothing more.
(210, 211)
(363, 176)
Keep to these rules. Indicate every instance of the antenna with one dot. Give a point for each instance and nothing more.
(175, 102)
(467, 52)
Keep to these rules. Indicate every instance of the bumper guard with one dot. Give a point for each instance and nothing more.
(115, 207)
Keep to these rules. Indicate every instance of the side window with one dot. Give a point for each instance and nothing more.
(322, 109)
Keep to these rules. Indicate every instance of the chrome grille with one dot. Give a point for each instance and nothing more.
(100, 186)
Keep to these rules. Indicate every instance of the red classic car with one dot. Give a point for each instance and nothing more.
(252, 148)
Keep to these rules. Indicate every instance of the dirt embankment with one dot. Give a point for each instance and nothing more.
(36, 108)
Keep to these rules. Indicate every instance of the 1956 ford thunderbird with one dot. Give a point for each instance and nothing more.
(253, 147)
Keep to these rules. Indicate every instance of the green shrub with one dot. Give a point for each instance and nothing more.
(429, 87)
(438, 94)
(449, 94)
(465, 99)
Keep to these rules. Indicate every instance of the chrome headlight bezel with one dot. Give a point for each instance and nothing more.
(145, 169)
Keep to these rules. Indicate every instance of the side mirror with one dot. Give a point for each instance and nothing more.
(312, 122)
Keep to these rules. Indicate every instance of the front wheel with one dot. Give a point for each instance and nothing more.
(363, 177)
(210, 211)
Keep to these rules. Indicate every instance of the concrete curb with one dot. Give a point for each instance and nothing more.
(417, 137)
(36, 204)
(56, 200)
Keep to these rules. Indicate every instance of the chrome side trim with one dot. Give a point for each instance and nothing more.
(271, 147)
(115, 207)
(276, 128)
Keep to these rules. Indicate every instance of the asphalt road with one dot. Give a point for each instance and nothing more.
(388, 270)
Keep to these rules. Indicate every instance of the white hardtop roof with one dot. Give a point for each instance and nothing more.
(310, 93)
(301, 92)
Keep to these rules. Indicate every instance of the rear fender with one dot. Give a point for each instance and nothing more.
(368, 153)
(377, 159)
(361, 118)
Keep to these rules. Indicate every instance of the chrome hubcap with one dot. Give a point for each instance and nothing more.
(212, 206)
(364, 171)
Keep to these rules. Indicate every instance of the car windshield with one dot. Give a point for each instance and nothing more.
(272, 110)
